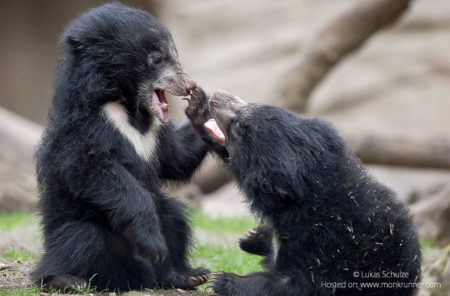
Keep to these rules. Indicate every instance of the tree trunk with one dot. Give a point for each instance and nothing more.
(341, 37)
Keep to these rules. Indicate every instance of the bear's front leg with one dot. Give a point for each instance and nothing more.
(258, 241)
(254, 284)
(227, 284)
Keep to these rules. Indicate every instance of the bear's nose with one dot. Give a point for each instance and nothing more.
(189, 84)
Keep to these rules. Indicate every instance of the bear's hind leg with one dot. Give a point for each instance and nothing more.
(69, 252)
(79, 254)
(64, 282)
(176, 271)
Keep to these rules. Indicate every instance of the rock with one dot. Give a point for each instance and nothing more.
(432, 216)
(436, 275)
(136, 293)
(4, 266)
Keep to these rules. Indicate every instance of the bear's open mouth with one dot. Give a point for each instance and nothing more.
(160, 105)
(212, 128)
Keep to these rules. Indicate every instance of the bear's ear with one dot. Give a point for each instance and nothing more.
(75, 44)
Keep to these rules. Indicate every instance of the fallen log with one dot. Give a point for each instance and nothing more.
(18, 137)
(342, 36)
(397, 150)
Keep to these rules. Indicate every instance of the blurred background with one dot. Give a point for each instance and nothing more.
(378, 70)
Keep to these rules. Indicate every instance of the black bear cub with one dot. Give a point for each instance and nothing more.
(106, 151)
(329, 227)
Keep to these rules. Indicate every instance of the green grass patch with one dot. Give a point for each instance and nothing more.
(427, 244)
(16, 220)
(35, 290)
(20, 291)
(214, 257)
(18, 255)
(205, 223)
(225, 258)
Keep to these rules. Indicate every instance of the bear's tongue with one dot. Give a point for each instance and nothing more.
(214, 131)
(160, 105)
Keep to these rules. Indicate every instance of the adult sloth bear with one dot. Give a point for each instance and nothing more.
(330, 229)
(106, 150)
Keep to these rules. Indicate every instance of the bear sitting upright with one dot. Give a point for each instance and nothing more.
(330, 228)
(107, 150)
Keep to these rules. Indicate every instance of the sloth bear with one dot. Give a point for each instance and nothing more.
(328, 227)
(107, 149)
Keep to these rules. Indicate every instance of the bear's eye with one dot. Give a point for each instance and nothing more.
(154, 59)
(236, 130)
(241, 127)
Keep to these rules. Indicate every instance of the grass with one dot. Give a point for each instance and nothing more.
(225, 258)
(427, 244)
(35, 290)
(20, 292)
(15, 220)
(228, 258)
(215, 257)
(238, 225)
(18, 255)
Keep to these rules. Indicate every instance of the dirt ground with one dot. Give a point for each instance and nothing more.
(15, 275)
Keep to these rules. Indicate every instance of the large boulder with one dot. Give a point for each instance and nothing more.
(436, 275)
(432, 216)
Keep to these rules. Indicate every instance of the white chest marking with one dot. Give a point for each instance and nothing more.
(144, 144)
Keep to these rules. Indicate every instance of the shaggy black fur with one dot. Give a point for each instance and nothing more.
(329, 225)
(105, 219)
